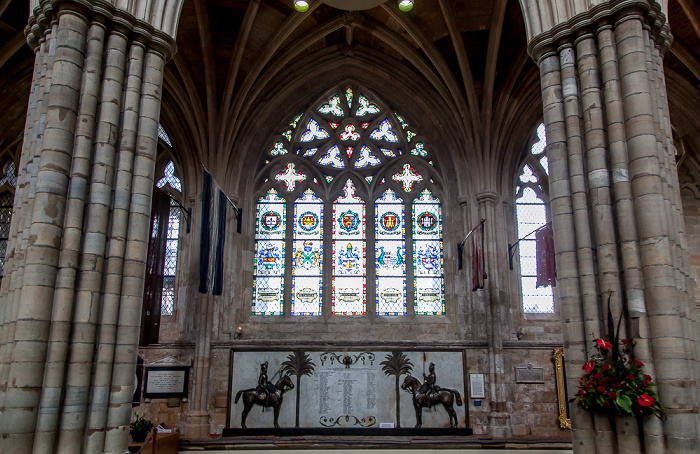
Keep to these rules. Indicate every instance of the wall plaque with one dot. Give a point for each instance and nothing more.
(163, 382)
(476, 386)
(529, 374)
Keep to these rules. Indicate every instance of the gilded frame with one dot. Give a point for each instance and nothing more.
(564, 420)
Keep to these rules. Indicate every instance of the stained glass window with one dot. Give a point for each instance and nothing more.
(429, 280)
(6, 199)
(167, 304)
(164, 135)
(170, 178)
(390, 250)
(349, 253)
(345, 132)
(307, 264)
(531, 213)
(268, 287)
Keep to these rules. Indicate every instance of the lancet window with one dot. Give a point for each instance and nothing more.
(348, 215)
(531, 206)
(8, 181)
(172, 239)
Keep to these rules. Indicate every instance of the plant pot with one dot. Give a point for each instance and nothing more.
(139, 437)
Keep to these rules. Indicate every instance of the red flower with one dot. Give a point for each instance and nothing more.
(645, 400)
(639, 363)
(602, 343)
(612, 395)
(606, 404)
(629, 377)
(600, 389)
(645, 383)
(648, 377)
(598, 376)
(582, 392)
(606, 367)
(625, 341)
(587, 386)
(589, 366)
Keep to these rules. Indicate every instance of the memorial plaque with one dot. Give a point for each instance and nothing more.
(476, 385)
(163, 382)
(342, 389)
(529, 374)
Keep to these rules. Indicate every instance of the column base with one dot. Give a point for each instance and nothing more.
(499, 425)
(197, 425)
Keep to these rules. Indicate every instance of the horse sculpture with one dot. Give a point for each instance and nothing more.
(252, 396)
(444, 396)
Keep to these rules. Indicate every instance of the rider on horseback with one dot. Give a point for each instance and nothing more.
(429, 387)
(264, 386)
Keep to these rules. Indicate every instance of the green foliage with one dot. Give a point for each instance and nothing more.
(140, 427)
(614, 381)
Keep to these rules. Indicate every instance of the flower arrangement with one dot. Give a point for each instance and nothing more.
(140, 428)
(614, 381)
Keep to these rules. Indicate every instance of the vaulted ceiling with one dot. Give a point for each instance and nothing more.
(458, 69)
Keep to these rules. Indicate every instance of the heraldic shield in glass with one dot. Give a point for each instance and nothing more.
(268, 286)
(390, 250)
(349, 267)
(427, 255)
(307, 269)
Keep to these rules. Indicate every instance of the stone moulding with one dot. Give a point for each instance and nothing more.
(102, 12)
(599, 16)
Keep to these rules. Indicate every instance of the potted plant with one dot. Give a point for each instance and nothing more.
(140, 428)
(616, 382)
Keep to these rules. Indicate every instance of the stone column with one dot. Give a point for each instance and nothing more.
(80, 232)
(499, 417)
(617, 230)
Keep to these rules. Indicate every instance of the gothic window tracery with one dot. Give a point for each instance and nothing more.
(340, 174)
(531, 206)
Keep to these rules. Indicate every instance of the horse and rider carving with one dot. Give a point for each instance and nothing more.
(266, 395)
(429, 395)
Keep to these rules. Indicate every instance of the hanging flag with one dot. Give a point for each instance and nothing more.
(546, 268)
(478, 268)
(213, 232)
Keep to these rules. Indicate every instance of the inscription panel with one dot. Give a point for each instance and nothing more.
(353, 389)
(529, 374)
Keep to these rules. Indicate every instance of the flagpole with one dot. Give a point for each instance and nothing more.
(460, 246)
(235, 208)
(511, 247)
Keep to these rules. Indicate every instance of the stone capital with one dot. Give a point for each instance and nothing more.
(489, 197)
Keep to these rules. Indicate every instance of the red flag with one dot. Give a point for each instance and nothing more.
(478, 270)
(546, 268)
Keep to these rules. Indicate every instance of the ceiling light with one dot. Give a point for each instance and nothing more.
(405, 5)
(301, 5)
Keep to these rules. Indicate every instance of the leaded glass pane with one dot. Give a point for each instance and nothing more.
(307, 270)
(333, 107)
(540, 145)
(366, 158)
(390, 247)
(167, 301)
(332, 158)
(429, 284)
(365, 107)
(6, 199)
(531, 214)
(350, 133)
(290, 177)
(163, 135)
(407, 177)
(349, 265)
(268, 282)
(313, 132)
(170, 178)
(384, 132)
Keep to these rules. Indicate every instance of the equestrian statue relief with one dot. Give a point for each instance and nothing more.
(266, 394)
(429, 394)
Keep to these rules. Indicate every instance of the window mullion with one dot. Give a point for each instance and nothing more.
(371, 268)
(410, 283)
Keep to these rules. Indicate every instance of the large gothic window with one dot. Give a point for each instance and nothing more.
(531, 213)
(348, 199)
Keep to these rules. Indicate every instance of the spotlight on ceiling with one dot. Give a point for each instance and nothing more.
(301, 5)
(405, 5)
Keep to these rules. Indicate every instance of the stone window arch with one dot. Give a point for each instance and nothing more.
(349, 203)
(531, 213)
